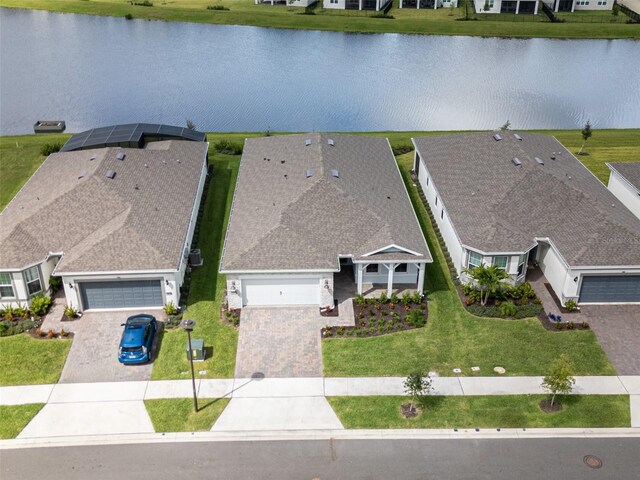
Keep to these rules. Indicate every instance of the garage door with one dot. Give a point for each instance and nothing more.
(601, 289)
(274, 291)
(122, 294)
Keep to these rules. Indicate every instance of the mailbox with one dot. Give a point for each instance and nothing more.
(197, 350)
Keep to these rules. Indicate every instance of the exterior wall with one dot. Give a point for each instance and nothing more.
(593, 5)
(511, 269)
(71, 291)
(411, 276)
(497, 6)
(234, 300)
(456, 252)
(339, 5)
(624, 192)
(21, 295)
(553, 268)
(296, 3)
(45, 270)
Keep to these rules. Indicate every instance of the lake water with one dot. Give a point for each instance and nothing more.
(93, 71)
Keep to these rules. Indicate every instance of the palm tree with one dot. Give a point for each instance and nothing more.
(488, 278)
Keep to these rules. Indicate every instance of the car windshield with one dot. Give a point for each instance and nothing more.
(131, 349)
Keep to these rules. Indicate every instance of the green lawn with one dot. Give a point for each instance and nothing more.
(177, 414)
(453, 338)
(28, 361)
(244, 12)
(207, 288)
(13, 418)
(505, 411)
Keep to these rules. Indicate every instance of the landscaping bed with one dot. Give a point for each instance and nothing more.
(508, 302)
(379, 316)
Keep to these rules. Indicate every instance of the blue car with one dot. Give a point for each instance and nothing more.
(137, 339)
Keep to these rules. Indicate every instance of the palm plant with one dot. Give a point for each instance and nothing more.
(488, 278)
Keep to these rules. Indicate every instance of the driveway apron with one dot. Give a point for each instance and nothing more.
(280, 342)
(93, 354)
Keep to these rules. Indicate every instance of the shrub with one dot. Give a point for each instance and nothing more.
(63, 333)
(372, 330)
(216, 7)
(526, 290)
(228, 147)
(171, 309)
(394, 298)
(50, 334)
(558, 326)
(570, 325)
(144, 3)
(4, 328)
(416, 318)
(174, 320)
(9, 312)
(402, 149)
(383, 298)
(530, 310)
(406, 298)
(416, 298)
(570, 305)
(54, 284)
(349, 332)
(40, 304)
(340, 331)
(49, 148)
(70, 311)
(128, 16)
(21, 311)
(585, 325)
(508, 309)
(382, 15)
(360, 300)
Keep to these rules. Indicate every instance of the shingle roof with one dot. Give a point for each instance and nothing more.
(498, 207)
(283, 220)
(104, 224)
(629, 170)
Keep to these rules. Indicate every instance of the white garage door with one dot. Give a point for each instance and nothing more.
(281, 291)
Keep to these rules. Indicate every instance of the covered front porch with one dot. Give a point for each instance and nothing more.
(372, 279)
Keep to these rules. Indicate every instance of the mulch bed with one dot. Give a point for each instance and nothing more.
(546, 407)
(408, 411)
(374, 320)
(556, 300)
(330, 313)
(49, 334)
(230, 317)
(564, 326)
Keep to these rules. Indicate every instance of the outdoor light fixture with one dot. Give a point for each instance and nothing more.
(166, 282)
(188, 326)
(326, 284)
(575, 279)
(71, 285)
(233, 287)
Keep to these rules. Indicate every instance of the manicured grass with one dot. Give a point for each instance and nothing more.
(13, 418)
(453, 338)
(19, 158)
(27, 361)
(177, 414)
(423, 21)
(207, 288)
(504, 411)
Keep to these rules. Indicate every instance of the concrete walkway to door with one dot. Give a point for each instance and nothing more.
(280, 342)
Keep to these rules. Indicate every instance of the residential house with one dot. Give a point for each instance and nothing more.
(114, 222)
(310, 207)
(513, 199)
(506, 6)
(426, 4)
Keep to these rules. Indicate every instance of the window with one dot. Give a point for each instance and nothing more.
(442, 214)
(6, 287)
(501, 262)
(427, 181)
(401, 268)
(334, 1)
(521, 262)
(436, 201)
(32, 279)
(372, 268)
(475, 259)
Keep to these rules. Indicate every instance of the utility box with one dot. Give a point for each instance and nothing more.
(197, 350)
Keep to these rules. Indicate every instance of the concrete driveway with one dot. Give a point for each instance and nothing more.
(280, 342)
(93, 354)
(618, 330)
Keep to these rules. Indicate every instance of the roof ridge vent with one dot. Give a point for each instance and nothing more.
(120, 156)
(517, 137)
(335, 173)
(331, 142)
(497, 137)
(307, 142)
(82, 174)
(516, 161)
(539, 161)
(110, 174)
(309, 173)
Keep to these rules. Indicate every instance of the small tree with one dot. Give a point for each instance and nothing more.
(417, 385)
(559, 379)
(191, 125)
(488, 278)
(506, 126)
(586, 135)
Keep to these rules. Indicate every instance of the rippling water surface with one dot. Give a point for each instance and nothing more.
(93, 71)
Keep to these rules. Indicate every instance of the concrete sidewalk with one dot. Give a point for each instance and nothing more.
(257, 404)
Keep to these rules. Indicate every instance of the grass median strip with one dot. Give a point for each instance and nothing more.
(505, 411)
(177, 414)
(13, 418)
(29, 361)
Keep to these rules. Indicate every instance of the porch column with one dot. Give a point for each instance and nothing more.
(535, 9)
(421, 270)
(360, 5)
(418, 4)
(359, 270)
(573, 6)
(391, 267)
(517, 7)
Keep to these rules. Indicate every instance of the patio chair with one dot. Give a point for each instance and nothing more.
(552, 317)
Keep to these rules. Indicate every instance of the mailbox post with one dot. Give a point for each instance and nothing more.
(188, 326)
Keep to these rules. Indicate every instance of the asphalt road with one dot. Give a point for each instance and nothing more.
(520, 459)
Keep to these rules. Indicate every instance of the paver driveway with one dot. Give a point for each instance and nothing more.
(618, 330)
(280, 342)
(93, 354)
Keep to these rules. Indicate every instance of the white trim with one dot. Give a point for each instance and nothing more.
(122, 272)
(393, 245)
(241, 272)
(398, 260)
(613, 169)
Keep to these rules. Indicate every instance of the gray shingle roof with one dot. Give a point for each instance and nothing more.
(629, 170)
(104, 224)
(498, 207)
(283, 220)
